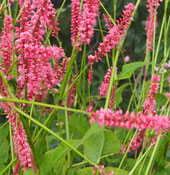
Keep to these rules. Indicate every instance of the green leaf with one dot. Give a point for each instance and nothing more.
(93, 146)
(89, 170)
(92, 130)
(4, 130)
(160, 171)
(161, 99)
(112, 143)
(52, 158)
(29, 172)
(128, 70)
(78, 125)
(120, 172)
(85, 171)
(4, 148)
(2, 166)
(167, 167)
(118, 96)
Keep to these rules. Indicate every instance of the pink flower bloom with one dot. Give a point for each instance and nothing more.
(168, 95)
(6, 46)
(109, 23)
(115, 34)
(105, 84)
(136, 143)
(88, 20)
(101, 170)
(75, 21)
(130, 120)
(149, 104)
(152, 7)
(127, 59)
(21, 147)
(112, 98)
(71, 96)
(35, 72)
(90, 76)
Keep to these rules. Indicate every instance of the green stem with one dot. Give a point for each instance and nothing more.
(148, 169)
(42, 104)
(16, 10)
(45, 123)
(68, 72)
(74, 81)
(106, 12)
(138, 162)
(114, 10)
(124, 156)
(11, 142)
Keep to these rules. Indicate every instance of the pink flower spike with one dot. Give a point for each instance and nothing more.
(130, 121)
(75, 21)
(149, 104)
(108, 21)
(105, 84)
(90, 11)
(6, 40)
(115, 34)
(152, 6)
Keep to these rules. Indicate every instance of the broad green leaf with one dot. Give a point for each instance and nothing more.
(128, 70)
(120, 172)
(60, 167)
(161, 99)
(167, 167)
(114, 159)
(78, 126)
(2, 166)
(111, 143)
(129, 164)
(118, 96)
(92, 130)
(160, 155)
(93, 146)
(85, 171)
(4, 130)
(160, 171)
(4, 148)
(72, 170)
(53, 157)
(89, 170)
(29, 172)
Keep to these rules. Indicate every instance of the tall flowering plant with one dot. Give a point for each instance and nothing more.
(59, 114)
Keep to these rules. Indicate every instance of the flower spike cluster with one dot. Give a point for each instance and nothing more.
(82, 23)
(149, 104)
(105, 84)
(6, 46)
(108, 21)
(115, 34)
(35, 72)
(130, 120)
(152, 5)
(75, 20)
